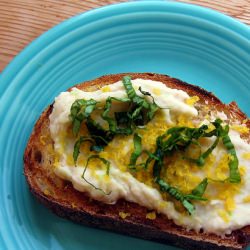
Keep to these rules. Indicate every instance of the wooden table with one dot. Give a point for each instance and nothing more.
(21, 21)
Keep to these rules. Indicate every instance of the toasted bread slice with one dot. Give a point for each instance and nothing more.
(65, 201)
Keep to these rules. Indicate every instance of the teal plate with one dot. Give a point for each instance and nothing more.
(192, 43)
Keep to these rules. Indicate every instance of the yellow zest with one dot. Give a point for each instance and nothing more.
(224, 215)
(242, 170)
(246, 155)
(240, 128)
(185, 121)
(42, 139)
(56, 164)
(46, 192)
(105, 89)
(69, 160)
(163, 204)
(247, 199)
(106, 178)
(210, 127)
(156, 91)
(206, 108)
(73, 205)
(192, 100)
(56, 161)
(207, 116)
(181, 173)
(229, 204)
(151, 216)
(221, 171)
(124, 215)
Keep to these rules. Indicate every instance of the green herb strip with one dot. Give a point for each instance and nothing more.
(137, 151)
(222, 133)
(104, 161)
(174, 192)
(153, 107)
(77, 146)
(101, 136)
(201, 160)
(234, 175)
(196, 193)
(151, 157)
(142, 110)
(112, 122)
(200, 189)
(80, 111)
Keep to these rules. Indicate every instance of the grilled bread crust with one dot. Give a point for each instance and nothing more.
(60, 196)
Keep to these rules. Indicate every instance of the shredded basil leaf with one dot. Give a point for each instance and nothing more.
(101, 136)
(77, 146)
(97, 148)
(222, 133)
(234, 174)
(146, 93)
(80, 110)
(112, 122)
(106, 162)
(141, 105)
(153, 107)
(177, 194)
(122, 118)
(201, 160)
(196, 194)
(137, 150)
(151, 157)
(129, 88)
(198, 191)
(158, 164)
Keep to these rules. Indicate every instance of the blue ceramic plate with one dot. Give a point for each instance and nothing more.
(195, 44)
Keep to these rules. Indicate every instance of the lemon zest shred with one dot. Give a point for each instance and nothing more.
(229, 204)
(156, 91)
(242, 170)
(42, 139)
(106, 178)
(246, 155)
(105, 89)
(46, 192)
(240, 128)
(151, 215)
(124, 215)
(70, 160)
(73, 205)
(246, 199)
(192, 100)
(224, 215)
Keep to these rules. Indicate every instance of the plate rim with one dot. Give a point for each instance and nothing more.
(17, 63)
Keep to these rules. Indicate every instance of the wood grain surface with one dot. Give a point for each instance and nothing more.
(21, 21)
